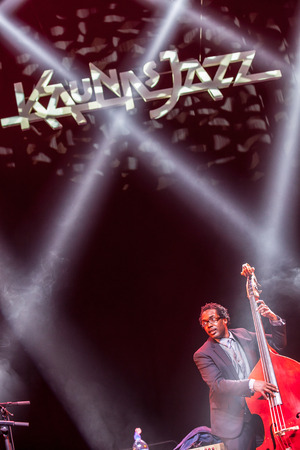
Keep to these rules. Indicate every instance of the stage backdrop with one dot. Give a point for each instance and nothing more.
(148, 149)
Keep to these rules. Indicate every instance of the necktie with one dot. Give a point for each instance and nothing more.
(237, 359)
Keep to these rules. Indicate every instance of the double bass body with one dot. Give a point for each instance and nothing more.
(280, 415)
(286, 434)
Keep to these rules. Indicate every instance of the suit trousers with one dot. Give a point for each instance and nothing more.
(245, 441)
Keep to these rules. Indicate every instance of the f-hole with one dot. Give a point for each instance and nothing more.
(272, 435)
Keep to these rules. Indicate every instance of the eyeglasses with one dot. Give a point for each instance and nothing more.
(212, 320)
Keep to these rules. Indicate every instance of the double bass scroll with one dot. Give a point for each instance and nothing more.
(280, 414)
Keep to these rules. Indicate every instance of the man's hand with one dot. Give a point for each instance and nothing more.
(266, 389)
(265, 311)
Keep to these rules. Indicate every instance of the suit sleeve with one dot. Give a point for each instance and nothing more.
(278, 337)
(216, 381)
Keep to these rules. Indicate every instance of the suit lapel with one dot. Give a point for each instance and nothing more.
(247, 347)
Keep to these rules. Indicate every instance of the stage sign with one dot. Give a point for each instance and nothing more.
(196, 80)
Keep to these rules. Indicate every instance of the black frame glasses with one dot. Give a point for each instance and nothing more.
(212, 320)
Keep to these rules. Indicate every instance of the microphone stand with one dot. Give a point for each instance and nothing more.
(6, 423)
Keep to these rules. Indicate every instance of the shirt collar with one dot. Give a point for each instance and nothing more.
(226, 341)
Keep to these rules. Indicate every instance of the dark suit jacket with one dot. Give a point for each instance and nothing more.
(226, 392)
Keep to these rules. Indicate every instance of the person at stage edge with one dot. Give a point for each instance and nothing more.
(225, 361)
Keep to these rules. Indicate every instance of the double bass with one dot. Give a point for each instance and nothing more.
(280, 414)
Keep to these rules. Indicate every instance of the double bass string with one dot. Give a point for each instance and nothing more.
(263, 352)
(276, 414)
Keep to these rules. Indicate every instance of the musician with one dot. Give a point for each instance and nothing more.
(225, 361)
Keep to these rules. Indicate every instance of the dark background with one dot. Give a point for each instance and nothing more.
(146, 250)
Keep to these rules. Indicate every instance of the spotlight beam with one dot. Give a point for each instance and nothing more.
(65, 361)
(166, 29)
(116, 127)
(279, 197)
(236, 222)
(196, 184)
(51, 360)
(50, 346)
(38, 50)
(7, 6)
(228, 33)
(82, 197)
